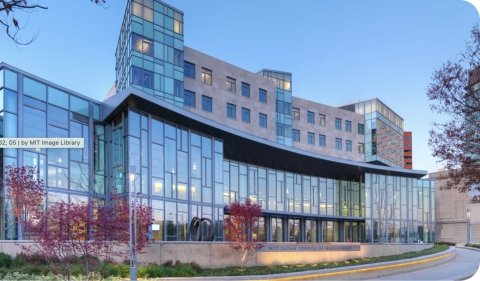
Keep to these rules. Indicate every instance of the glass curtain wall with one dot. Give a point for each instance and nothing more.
(283, 104)
(33, 108)
(177, 170)
(150, 52)
(399, 210)
(296, 204)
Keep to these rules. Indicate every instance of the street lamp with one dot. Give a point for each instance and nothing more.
(469, 234)
(132, 233)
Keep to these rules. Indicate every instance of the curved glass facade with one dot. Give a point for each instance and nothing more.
(182, 173)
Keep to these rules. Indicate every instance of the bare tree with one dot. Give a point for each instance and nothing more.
(12, 10)
(455, 92)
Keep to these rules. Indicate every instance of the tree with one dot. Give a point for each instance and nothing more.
(68, 235)
(242, 220)
(455, 93)
(26, 191)
(11, 10)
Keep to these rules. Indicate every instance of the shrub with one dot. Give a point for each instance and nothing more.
(14, 276)
(445, 243)
(195, 266)
(35, 259)
(18, 261)
(154, 270)
(107, 269)
(34, 270)
(473, 245)
(184, 270)
(5, 260)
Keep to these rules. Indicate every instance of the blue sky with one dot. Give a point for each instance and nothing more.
(338, 50)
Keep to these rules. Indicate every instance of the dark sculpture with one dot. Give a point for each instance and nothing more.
(201, 229)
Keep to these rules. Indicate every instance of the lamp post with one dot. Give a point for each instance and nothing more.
(469, 234)
(132, 232)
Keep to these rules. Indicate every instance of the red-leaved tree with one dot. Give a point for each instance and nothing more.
(62, 238)
(111, 225)
(243, 218)
(68, 234)
(26, 191)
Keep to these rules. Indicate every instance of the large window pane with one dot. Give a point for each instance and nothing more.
(10, 80)
(79, 176)
(157, 160)
(34, 123)
(10, 125)
(58, 157)
(10, 101)
(57, 177)
(79, 105)
(34, 89)
(57, 116)
(57, 97)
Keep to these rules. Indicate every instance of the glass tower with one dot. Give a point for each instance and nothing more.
(283, 104)
(149, 53)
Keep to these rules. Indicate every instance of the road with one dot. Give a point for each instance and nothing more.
(465, 264)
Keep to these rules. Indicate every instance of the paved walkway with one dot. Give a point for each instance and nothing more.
(465, 264)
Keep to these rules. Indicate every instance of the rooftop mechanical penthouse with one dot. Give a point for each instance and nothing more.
(198, 133)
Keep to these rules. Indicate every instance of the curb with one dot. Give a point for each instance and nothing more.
(356, 272)
(469, 248)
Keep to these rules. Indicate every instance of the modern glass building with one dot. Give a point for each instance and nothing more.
(172, 134)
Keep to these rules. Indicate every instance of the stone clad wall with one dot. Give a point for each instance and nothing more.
(220, 254)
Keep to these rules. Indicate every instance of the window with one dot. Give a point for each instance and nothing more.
(245, 89)
(296, 135)
(348, 126)
(231, 85)
(361, 129)
(231, 111)
(348, 145)
(262, 95)
(178, 57)
(142, 44)
(262, 120)
(142, 77)
(189, 98)
(206, 76)
(189, 69)
(177, 88)
(322, 120)
(79, 105)
(283, 107)
(310, 117)
(311, 138)
(361, 148)
(322, 140)
(283, 130)
(338, 123)
(245, 115)
(34, 89)
(57, 97)
(207, 103)
(142, 11)
(177, 22)
(296, 113)
(338, 143)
